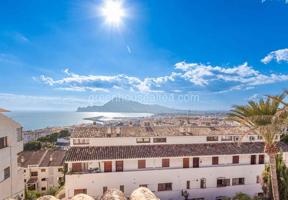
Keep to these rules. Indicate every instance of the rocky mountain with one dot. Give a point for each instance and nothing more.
(123, 105)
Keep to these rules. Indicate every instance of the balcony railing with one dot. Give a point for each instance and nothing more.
(98, 170)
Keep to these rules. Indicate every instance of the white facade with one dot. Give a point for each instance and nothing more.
(43, 169)
(122, 141)
(209, 180)
(11, 176)
(45, 177)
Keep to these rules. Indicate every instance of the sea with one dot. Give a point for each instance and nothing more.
(32, 120)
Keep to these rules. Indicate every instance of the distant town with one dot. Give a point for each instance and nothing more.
(165, 156)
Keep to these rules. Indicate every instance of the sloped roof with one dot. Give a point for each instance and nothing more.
(150, 131)
(42, 158)
(165, 150)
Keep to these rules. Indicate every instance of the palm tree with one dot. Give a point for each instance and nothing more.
(282, 173)
(265, 118)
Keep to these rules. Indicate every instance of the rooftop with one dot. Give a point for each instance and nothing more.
(42, 158)
(150, 131)
(166, 150)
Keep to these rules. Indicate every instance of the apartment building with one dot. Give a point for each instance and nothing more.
(42, 169)
(173, 162)
(11, 144)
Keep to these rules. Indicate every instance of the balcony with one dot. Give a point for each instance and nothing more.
(99, 170)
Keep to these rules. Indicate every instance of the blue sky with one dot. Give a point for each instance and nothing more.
(192, 54)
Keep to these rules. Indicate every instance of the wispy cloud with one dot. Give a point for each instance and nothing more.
(20, 37)
(280, 55)
(185, 77)
(8, 58)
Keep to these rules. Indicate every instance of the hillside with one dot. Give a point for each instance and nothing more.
(122, 105)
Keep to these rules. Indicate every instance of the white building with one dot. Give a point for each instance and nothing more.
(204, 163)
(11, 176)
(42, 169)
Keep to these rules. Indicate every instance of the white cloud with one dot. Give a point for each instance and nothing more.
(186, 77)
(279, 55)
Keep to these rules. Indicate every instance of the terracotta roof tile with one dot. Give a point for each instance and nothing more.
(168, 150)
(94, 131)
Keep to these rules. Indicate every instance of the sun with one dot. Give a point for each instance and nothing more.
(113, 12)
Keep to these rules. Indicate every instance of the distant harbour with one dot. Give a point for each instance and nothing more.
(31, 120)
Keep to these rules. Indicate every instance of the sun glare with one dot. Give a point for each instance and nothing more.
(113, 12)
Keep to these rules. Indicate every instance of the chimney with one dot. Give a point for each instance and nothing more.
(51, 158)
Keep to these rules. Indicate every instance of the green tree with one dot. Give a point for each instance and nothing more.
(265, 118)
(52, 191)
(32, 146)
(31, 195)
(241, 196)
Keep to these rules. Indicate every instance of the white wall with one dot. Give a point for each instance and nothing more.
(120, 141)
(131, 180)
(14, 185)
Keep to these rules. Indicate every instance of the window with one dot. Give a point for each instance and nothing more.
(226, 138)
(3, 142)
(108, 166)
(165, 162)
(25, 180)
(159, 140)
(238, 181)
(141, 164)
(76, 167)
(253, 159)
(164, 187)
(80, 141)
(203, 183)
(185, 162)
(223, 182)
(43, 170)
(19, 134)
(236, 138)
(105, 189)
(187, 185)
(60, 169)
(142, 140)
(196, 162)
(261, 159)
(34, 173)
(215, 160)
(43, 188)
(122, 188)
(79, 191)
(6, 173)
(43, 179)
(235, 159)
(259, 137)
(119, 166)
(252, 138)
(212, 138)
